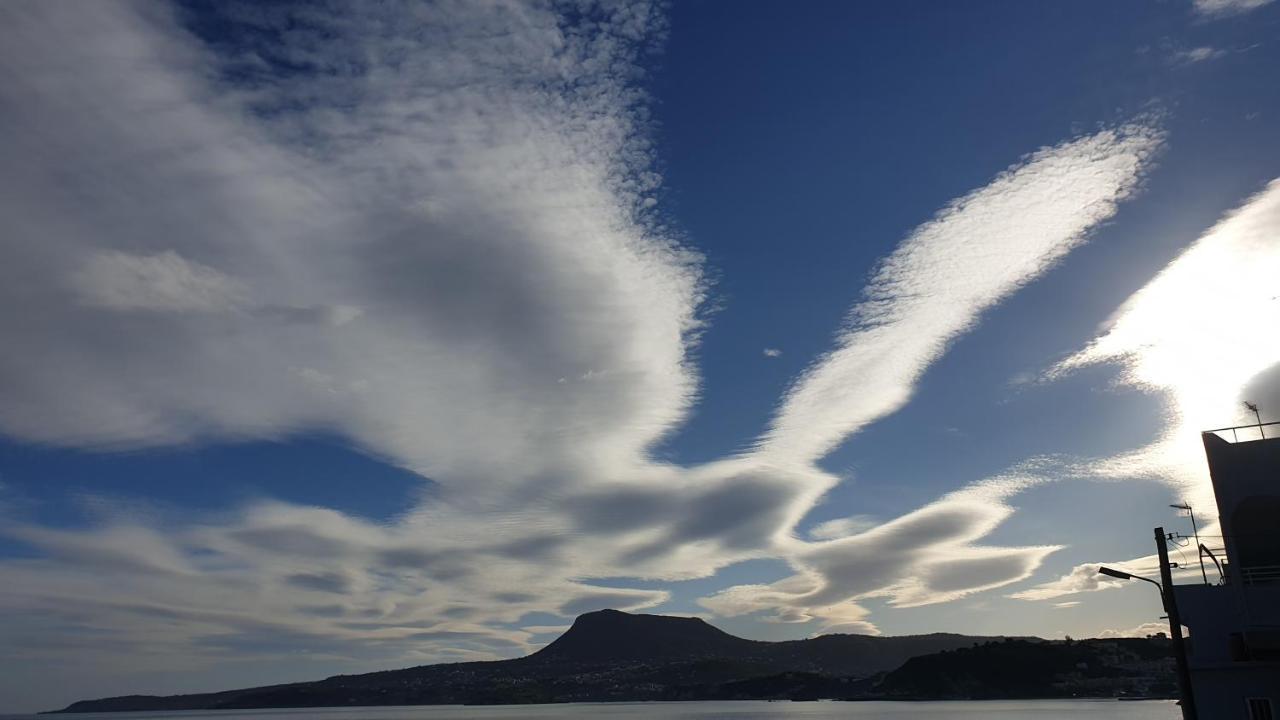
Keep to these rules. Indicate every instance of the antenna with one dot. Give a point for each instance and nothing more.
(1253, 408)
(1196, 532)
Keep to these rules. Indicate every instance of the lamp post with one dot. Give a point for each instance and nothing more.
(1170, 604)
(1122, 575)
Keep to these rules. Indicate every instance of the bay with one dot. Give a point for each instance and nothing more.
(752, 710)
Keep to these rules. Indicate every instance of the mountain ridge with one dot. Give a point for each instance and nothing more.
(604, 655)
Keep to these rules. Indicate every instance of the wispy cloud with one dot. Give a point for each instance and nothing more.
(1085, 578)
(1143, 630)
(772, 352)
(1224, 8)
(164, 282)
(423, 216)
(977, 250)
(1197, 55)
(842, 527)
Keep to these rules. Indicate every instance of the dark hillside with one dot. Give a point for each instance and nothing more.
(614, 656)
(1021, 669)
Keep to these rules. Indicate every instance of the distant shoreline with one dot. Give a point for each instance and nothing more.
(393, 709)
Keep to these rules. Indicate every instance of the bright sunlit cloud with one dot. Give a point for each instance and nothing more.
(1223, 8)
(1199, 334)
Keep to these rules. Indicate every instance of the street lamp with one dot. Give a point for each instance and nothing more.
(1122, 575)
(1170, 605)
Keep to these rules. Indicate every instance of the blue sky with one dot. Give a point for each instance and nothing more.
(344, 339)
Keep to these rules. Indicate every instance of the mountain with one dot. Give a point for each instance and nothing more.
(612, 636)
(605, 656)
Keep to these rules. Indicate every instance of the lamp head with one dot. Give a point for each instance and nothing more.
(1112, 572)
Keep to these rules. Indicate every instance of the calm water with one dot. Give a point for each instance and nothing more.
(1006, 709)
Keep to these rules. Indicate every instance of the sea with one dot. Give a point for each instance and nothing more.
(749, 710)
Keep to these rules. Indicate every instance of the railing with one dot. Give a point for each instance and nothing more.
(1259, 574)
(1257, 431)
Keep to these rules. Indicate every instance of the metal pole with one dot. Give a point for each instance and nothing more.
(1175, 629)
(1257, 416)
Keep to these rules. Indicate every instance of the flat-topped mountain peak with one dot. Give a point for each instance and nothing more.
(617, 635)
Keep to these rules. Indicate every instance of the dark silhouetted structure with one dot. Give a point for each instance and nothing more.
(1234, 652)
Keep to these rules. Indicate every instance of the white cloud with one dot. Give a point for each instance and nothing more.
(162, 282)
(842, 527)
(1085, 578)
(399, 263)
(1143, 630)
(772, 352)
(1197, 55)
(1222, 8)
(545, 629)
(974, 253)
(1193, 334)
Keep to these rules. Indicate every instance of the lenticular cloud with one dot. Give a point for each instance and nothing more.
(973, 254)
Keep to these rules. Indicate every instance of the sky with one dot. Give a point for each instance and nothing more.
(340, 338)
